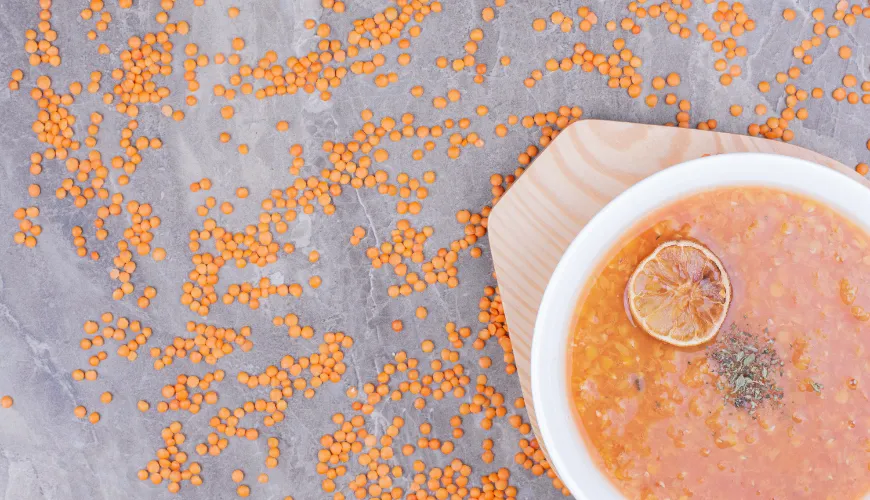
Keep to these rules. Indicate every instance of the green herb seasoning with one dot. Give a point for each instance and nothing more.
(748, 367)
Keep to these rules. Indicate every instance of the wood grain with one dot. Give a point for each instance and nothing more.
(585, 167)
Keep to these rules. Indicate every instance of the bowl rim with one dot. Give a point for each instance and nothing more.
(550, 377)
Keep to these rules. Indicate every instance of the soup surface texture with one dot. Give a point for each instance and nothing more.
(663, 422)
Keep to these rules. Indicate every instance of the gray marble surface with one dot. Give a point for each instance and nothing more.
(47, 293)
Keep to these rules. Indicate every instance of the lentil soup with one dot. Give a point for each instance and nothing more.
(663, 421)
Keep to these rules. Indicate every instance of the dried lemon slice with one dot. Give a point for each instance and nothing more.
(680, 294)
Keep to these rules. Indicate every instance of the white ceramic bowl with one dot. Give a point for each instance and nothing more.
(550, 354)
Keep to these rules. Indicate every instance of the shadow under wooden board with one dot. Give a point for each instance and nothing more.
(586, 166)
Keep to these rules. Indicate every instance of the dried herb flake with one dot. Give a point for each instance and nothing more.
(748, 366)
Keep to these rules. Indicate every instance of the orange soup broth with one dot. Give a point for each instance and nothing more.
(651, 413)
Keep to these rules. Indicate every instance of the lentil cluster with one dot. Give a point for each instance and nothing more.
(158, 77)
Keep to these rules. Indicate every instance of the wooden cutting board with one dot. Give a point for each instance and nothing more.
(585, 167)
